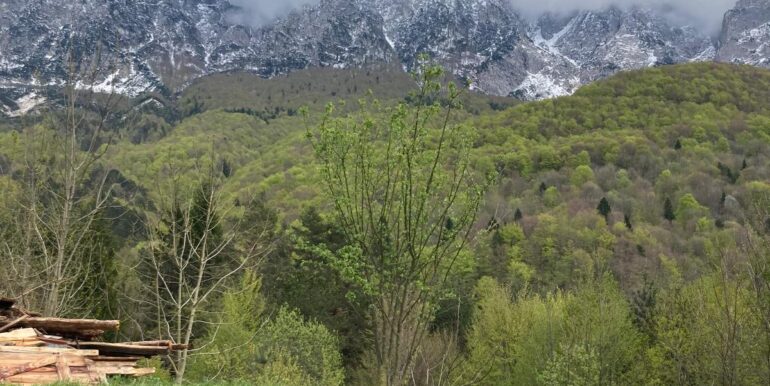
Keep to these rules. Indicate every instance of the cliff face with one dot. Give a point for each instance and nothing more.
(745, 34)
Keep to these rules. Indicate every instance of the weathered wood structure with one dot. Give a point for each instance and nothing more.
(38, 350)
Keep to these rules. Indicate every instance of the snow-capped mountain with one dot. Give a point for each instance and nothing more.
(162, 45)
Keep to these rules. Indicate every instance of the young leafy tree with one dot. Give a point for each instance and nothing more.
(251, 347)
(396, 178)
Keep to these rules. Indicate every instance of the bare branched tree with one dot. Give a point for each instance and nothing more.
(195, 254)
(63, 195)
(755, 246)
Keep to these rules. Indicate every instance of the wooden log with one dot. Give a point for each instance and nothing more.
(161, 343)
(152, 343)
(57, 325)
(13, 323)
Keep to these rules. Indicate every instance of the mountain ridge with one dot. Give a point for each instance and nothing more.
(162, 45)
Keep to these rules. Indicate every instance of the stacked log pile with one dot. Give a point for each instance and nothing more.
(37, 350)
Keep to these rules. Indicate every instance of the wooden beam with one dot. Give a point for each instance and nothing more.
(48, 350)
(122, 349)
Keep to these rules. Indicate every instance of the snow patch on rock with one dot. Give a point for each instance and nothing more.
(25, 104)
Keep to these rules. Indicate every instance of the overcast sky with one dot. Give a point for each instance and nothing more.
(704, 13)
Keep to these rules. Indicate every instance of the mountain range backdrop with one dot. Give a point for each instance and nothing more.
(385, 192)
(500, 47)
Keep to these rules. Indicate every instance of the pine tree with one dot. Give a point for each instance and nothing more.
(518, 215)
(668, 210)
(543, 188)
(744, 165)
(678, 145)
(604, 208)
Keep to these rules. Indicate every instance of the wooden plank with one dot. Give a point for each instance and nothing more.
(6, 373)
(15, 360)
(63, 369)
(132, 371)
(24, 333)
(23, 343)
(104, 358)
(115, 364)
(43, 378)
(119, 349)
(48, 350)
(97, 376)
(14, 323)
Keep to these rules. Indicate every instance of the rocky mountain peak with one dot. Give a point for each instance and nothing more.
(745, 36)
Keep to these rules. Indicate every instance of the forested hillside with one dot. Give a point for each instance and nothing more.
(411, 232)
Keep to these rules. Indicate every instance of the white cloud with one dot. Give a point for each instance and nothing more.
(706, 14)
(261, 12)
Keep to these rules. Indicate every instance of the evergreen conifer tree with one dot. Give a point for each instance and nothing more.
(604, 208)
(518, 215)
(668, 210)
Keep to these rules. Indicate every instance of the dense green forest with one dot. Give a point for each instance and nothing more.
(357, 227)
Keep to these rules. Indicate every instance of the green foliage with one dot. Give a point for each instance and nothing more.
(314, 87)
(689, 208)
(683, 152)
(581, 175)
(551, 197)
(403, 191)
(284, 349)
(578, 366)
(706, 332)
(557, 339)
(299, 277)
